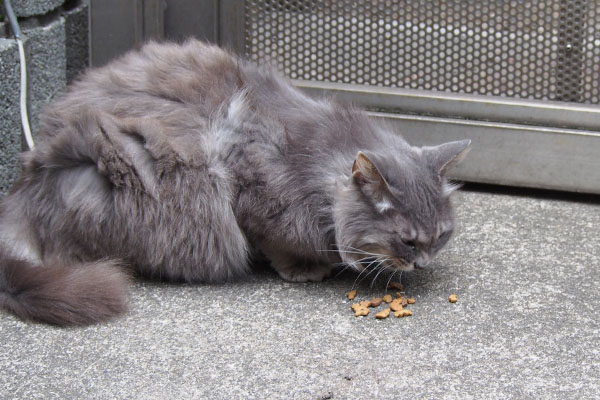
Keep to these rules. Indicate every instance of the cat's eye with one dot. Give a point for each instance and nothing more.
(409, 243)
(443, 235)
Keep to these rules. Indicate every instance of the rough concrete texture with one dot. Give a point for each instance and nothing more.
(47, 66)
(28, 8)
(10, 125)
(526, 326)
(56, 53)
(76, 45)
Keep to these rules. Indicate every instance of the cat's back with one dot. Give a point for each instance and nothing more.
(152, 105)
(156, 79)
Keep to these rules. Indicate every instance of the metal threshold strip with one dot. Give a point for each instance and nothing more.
(456, 105)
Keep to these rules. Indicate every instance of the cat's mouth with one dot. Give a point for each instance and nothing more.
(403, 265)
(385, 262)
(375, 257)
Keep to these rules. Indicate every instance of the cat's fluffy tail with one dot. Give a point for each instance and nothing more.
(63, 295)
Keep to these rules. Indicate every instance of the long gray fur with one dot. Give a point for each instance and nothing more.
(180, 161)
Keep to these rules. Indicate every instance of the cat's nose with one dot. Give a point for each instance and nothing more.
(421, 263)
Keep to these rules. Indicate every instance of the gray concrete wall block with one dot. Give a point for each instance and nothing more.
(47, 66)
(3, 25)
(10, 125)
(28, 8)
(56, 44)
(77, 44)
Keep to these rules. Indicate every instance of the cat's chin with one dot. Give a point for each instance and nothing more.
(379, 260)
(403, 266)
(407, 267)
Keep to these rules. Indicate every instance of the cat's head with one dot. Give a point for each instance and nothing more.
(395, 211)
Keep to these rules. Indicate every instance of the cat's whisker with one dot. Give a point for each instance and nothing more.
(379, 262)
(361, 251)
(349, 265)
(357, 253)
(365, 260)
(361, 272)
(354, 264)
(351, 252)
(369, 255)
(330, 250)
(391, 276)
(343, 269)
(382, 267)
(376, 268)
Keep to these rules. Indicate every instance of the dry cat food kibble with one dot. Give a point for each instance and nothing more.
(359, 310)
(383, 314)
(453, 298)
(403, 313)
(375, 302)
(395, 285)
(396, 304)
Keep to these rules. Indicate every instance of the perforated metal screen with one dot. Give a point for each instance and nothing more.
(527, 49)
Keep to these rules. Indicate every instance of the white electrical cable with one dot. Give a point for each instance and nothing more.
(14, 24)
(23, 100)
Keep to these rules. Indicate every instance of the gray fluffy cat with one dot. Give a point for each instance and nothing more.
(180, 161)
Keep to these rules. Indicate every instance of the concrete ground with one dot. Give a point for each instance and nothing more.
(526, 326)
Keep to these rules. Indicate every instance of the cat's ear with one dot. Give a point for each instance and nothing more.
(363, 169)
(445, 156)
(366, 175)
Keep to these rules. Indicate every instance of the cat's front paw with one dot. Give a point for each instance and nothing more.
(314, 274)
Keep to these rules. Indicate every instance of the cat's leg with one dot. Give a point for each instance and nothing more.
(294, 269)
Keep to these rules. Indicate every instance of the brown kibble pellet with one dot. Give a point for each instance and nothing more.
(411, 300)
(361, 312)
(383, 314)
(453, 298)
(387, 298)
(365, 303)
(403, 300)
(395, 285)
(403, 313)
(396, 305)
(351, 294)
(359, 309)
(375, 302)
